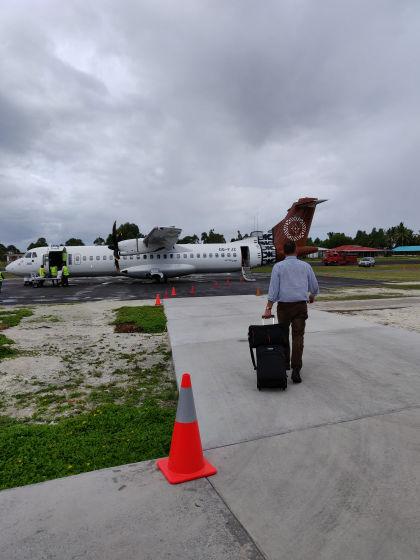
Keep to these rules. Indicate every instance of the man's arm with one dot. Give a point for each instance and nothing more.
(273, 291)
(312, 284)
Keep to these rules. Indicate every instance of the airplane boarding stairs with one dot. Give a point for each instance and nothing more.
(247, 274)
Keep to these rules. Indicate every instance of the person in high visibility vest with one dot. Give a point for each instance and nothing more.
(41, 274)
(1, 279)
(65, 275)
(53, 274)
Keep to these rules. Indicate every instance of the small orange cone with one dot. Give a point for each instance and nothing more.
(165, 295)
(258, 292)
(157, 300)
(173, 292)
(186, 460)
(192, 292)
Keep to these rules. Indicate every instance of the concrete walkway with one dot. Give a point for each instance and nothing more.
(329, 469)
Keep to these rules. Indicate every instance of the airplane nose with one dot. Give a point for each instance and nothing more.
(10, 267)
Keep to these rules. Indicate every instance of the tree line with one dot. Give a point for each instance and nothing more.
(377, 238)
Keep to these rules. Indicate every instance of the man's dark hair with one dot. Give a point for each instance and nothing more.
(289, 247)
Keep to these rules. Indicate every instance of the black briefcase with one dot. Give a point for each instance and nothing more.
(273, 354)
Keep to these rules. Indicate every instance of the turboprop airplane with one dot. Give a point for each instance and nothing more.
(158, 256)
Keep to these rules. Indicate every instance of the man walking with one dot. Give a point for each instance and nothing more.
(292, 285)
(1, 279)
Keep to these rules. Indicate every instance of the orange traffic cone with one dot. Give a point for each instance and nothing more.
(192, 292)
(165, 295)
(186, 460)
(157, 300)
(258, 292)
(173, 291)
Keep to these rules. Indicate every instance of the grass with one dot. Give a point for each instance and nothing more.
(5, 350)
(145, 318)
(13, 318)
(351, 297)
(406, 272)
(381, 273)
(108, 436)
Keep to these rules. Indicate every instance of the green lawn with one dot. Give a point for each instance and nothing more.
(13, 317)
(145, 318)
(383, 272)
(108, 436)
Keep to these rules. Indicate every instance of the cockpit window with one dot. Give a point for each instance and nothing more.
(28, 255)
(34, 255)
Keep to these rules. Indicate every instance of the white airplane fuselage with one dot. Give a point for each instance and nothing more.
(180, 260)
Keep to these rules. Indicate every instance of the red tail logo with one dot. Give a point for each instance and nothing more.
(295, 227)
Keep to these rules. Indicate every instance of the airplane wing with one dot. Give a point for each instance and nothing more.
(162, 238)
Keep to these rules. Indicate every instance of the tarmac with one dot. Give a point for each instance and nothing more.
(328, 469)
(123, 289)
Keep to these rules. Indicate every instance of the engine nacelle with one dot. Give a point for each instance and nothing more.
(132, 247)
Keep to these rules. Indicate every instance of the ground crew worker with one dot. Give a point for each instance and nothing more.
(1, 279)
(41, 274)
(293, 283)
(53, 273)
(65, 275)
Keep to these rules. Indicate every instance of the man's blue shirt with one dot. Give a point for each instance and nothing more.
(292, 280)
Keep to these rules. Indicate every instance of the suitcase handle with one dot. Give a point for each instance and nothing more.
(264, 318)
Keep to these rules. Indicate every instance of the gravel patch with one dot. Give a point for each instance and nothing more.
(71, 359)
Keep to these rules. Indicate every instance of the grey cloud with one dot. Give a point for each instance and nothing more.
(207, 114)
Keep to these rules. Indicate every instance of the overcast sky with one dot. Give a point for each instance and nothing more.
(206, 114)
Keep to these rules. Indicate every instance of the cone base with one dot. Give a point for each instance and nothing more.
(176, 478)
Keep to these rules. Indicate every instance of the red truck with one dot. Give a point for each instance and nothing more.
(338, 258)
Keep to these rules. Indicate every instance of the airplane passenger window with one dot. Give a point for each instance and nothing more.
(171, 255)
(144, 256)
(165, 256)
(234, 254)
(98, 258)
(178, 256)
(125, 258)
(131, 257)
(158, 256)
(228, 255)
(204, 255)
(198, 255)
(185, 255)
(110, 257)
(222, 254)
(151, 256)
(138, 257)
(91, 258)
(104, 257)
(216, 254)
(210, 255)
(191, 256)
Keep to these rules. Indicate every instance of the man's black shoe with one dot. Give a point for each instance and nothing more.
(296, 378)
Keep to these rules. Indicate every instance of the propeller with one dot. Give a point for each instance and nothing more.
(114, 246)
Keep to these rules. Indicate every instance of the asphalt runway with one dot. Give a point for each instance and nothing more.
(122, 289)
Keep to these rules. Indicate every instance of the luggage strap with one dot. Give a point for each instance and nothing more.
(252, 355)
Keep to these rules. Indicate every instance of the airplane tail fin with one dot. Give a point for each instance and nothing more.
(295, 226)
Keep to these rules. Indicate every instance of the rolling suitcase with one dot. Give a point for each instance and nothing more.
(272, 349)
